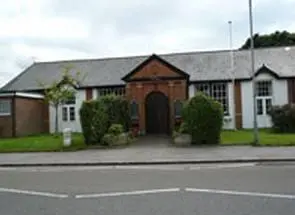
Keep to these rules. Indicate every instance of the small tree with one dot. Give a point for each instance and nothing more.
(60, 91)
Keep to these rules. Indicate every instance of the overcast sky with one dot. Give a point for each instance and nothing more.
(46, 30)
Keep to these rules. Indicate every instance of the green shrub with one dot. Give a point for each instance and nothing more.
(94, 118)
(203, 118)
(97, 116)
(115, 129)
(118, 110)
(283, 118)
(183, 129)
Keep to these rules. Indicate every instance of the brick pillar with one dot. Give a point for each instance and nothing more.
(140, 99)
(171, 102)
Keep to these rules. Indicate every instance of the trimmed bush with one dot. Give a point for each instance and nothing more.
(98, 115)
(283, 118)
(117, 110)
(203, 118)
(94, 119)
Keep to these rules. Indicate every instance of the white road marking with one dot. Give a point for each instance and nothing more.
(136, 192)
(232, 192)
(34, 193)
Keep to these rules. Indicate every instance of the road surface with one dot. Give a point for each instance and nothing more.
(228, 189)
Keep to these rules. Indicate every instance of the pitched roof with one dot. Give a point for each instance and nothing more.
(201, 66)
(148, 60)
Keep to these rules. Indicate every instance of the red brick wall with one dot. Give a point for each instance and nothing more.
(89, 93)
(238, 105)
(6, 123)
(31, 116)
(155, 67)
(173, 89)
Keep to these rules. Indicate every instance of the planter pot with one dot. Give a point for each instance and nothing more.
(183, 140)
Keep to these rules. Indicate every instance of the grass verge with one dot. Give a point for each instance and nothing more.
(266, 138)
(41, 143)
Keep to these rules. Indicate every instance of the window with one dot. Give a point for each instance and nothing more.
(118, 91)
(217, 91)
(65, 114)
(264, 88)
(69, 110)
(134, 110)
(70, 101)
(263, 97)
(177, 108)
(5, 107)
(72, 114)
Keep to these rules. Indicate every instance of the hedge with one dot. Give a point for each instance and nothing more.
(97, 116)
(283, 118)
(203, 118)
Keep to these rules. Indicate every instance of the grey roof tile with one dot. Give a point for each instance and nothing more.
(201, 66)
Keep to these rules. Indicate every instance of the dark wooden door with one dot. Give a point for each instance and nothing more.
(157, 113)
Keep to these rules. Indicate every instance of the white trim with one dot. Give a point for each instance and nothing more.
(25, 95)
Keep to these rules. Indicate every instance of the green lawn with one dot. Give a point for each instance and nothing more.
(40, 143)
(266, 138)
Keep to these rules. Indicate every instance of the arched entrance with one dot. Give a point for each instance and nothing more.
(157, 113)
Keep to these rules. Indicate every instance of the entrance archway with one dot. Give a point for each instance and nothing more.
(157, 113)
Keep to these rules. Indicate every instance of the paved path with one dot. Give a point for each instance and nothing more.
(174, 189)
(155, 149)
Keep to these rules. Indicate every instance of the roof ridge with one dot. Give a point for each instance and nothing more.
(91, 59)
(164, 54)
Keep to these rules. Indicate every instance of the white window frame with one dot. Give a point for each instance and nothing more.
(67, 107)
(264, 98)
(118, 91)
(209, 92)
(4, 112)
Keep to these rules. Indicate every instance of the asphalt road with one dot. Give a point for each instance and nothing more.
(207, 189)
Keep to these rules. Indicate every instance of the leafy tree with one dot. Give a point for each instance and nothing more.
(275, 39)
(60, 91)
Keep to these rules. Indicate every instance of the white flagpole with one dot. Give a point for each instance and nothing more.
(256, 138)
(232, 74)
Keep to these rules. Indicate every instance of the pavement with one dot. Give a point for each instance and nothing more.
(151, 150)
(204, 189)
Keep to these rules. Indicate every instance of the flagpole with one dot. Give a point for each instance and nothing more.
(232, 74)
(255, 128)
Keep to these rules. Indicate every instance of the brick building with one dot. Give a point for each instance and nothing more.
(155, 85)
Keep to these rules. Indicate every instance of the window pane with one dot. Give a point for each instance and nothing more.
(5, 107)
(219, 93)
(65, 114)
(268, 105)
(204, 88)
(264, 88)
(72, 114)
(259, 107)
(70, 101)
(134, 110)
(177, 108)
